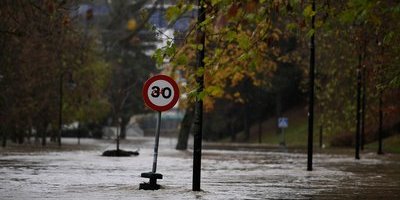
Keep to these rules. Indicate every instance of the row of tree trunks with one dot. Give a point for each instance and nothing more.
(19, 136)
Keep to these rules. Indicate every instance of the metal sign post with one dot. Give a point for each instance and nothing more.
(153, 176)
(160, 93)
(157, 137)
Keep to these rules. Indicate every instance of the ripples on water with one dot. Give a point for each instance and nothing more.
(225, 175)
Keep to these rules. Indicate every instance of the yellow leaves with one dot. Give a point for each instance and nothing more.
(275, 36)
(131, 25)
(242, 47)
(237, 77)
(284, 58)
(237, 97)
(243, 40)
(214, 91)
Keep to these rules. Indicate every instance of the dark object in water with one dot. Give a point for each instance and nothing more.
(120, 153)
(152, 185)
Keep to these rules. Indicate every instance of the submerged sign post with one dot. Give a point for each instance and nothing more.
(160, 93)
(283, 123)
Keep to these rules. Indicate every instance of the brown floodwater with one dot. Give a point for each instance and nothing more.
(81, 173)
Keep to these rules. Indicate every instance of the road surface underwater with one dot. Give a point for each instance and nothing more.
(82, 173)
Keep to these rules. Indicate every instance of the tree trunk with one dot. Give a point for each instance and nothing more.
(124, 123)
(29, 136)
(4, 135)
(118, 138)
(232, 130)
(53, 137)
(37, 135)
(246, 123)
(260, 131)
(14, 135)
(44, 134)
(321, 144)
(20, 136)
(43, 138)
(278, 110)
(184, 131)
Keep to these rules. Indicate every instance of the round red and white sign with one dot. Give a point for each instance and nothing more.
(160, 93)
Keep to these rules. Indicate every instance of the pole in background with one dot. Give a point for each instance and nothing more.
(79, 137)
(321, 144)
(358, 113)
(60, 109)
(311, 95)
(260, 131)
(198, 119)
(380, 131)
(118, 134)
(363, 102)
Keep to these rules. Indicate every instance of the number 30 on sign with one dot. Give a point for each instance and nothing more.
(160, 93)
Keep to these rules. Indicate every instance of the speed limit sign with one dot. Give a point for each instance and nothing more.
(160, 93)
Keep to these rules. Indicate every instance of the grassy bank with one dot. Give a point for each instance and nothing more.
(389, 145)
(296, 134)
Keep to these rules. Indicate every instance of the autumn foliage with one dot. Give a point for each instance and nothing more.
(44, 52)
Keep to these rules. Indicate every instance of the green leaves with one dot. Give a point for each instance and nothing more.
(308, 12)
(165, 52)
(243, 41)
(215, 2)
(361, 12)
(182, 59)
(310, 33)
(291, 26)
(214, 91)
(159, 56)
(170, 49)
(174, 12)
(230, 36)
(387, 40)
(209, 91)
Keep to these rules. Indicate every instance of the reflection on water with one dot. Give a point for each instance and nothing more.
(85, 174)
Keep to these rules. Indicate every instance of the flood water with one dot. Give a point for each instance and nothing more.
(84, 174)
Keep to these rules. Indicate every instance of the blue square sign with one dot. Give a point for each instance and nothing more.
(283, 122)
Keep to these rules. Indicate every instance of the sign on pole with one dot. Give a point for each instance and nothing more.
(283, 122)
(160, 93)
